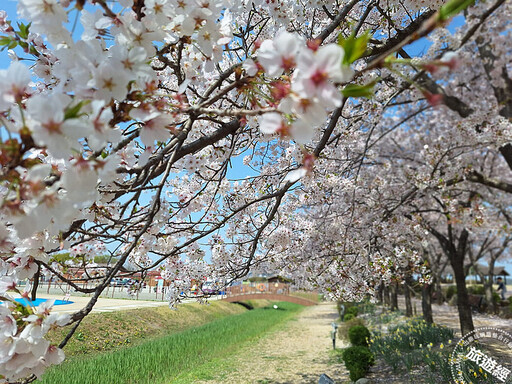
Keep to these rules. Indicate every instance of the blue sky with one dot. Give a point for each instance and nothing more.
(10, 7)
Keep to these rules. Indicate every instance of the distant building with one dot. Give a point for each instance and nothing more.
(499, 271)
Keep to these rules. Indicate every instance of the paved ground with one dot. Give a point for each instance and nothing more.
(103, 305)
(147, 293)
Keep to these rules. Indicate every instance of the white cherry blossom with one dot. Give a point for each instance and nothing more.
(318, 70)
(279, 55)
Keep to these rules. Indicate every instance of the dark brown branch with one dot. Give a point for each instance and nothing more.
(493, 183)
(400, 36)
(337, 20)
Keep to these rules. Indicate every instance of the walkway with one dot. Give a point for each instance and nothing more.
(449, 317)
(297, 353)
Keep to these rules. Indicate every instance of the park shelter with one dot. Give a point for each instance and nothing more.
(499, 271)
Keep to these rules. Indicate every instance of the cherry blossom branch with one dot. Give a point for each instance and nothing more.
(229, 112)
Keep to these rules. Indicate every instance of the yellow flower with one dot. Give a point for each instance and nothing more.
(441, 346)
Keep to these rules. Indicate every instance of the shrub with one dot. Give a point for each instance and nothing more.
(345, 326)
(359, 335)
(450, 292)
(367, 307)
(352, 311)
(357, 360)
(348, 317)
(476, 289)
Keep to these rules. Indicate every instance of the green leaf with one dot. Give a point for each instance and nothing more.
(12, 45)
(354, 47)
(453, 7)
(5, 40)
(24, 30)
(74, 111)
(356, 90)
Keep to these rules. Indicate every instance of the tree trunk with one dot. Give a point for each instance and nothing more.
(407, 295)
(394, 297)
(439, 291)
(35, 284)
(380, 293)
(488, 295)
(387, 300)
(426, 303)
(457, 262)
(488, 286)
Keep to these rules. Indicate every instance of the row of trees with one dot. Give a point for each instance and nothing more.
(212, 137)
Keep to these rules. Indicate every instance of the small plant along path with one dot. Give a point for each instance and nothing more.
(296, 353)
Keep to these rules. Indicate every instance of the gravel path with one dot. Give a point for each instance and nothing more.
(296, 353)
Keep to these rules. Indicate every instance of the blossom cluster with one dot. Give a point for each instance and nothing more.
(128, 140)
(305, 100)
(23, 349)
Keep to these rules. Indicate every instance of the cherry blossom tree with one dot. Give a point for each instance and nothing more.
(212, 137)
(492, 248)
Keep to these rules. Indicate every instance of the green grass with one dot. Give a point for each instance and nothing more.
(102, 332)
(182, 357)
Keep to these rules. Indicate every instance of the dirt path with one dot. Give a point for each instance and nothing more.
(448, 316)
(296, 353)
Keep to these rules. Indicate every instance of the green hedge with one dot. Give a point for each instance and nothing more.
(352, 311)
(345, 326)
(359, 335)
(358, 361)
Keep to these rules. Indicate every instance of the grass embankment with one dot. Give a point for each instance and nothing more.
(183, 357)
(101, 332)
(317, 298)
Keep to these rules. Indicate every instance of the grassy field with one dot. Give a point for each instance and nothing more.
(101, 332)
(179, 358)
(308, 295)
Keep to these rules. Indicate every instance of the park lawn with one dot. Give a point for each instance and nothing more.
(182, 357)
